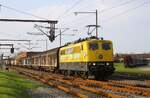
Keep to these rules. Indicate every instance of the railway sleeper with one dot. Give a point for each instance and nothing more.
(67, 90)
(101, 92)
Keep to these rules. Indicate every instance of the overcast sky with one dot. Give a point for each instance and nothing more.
(125, 22)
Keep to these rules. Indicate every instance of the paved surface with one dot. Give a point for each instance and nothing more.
(145, 68)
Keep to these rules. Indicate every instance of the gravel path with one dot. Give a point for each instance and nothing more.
(48, 92)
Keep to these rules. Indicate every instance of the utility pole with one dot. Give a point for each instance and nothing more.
(96, 19)
(96, 23)
(30, 45)
(61, 33)
(60, 37)
(64, 35)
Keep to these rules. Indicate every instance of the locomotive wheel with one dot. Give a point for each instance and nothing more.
(66, 72)
(56, 71)
(77, 74)
(84, 75)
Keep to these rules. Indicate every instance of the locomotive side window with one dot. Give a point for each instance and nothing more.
(77, 49)
(106, 46)
(69, 51)
(93, 46)
(62, 52)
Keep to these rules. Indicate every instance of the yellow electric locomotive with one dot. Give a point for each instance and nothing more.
(87, 57)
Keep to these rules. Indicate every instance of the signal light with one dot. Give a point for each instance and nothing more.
(52, 35)
(12, 50)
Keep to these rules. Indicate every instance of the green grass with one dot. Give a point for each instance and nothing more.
(15, 86)
(136, 70)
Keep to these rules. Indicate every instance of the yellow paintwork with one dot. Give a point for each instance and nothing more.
(86, 55)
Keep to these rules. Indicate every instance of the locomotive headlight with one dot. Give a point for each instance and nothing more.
(107, 64)
(94, 64)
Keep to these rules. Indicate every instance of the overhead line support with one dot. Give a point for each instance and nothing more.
(50, 22)
(96, 19)
(25, 20)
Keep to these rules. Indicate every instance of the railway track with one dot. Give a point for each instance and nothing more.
(128, 76)
(90, 88)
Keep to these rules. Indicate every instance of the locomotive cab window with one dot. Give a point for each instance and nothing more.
(106, 46)
(93, 46)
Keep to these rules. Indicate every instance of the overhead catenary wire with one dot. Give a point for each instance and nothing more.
(22, 12)
(113, 7)
(122, 4)
(119, 5)
(126, 11)
(69, 9)
(75, 4)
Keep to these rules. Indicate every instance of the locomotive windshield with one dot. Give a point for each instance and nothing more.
(93, 46)
(106, 46)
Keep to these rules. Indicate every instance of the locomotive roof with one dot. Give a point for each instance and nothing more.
(84, 39)
(50, 50)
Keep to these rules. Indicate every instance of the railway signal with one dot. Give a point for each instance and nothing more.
(11, 50)
(12, 40)
(51, 35)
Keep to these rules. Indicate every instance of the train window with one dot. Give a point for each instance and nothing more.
(106, 46)
(93, 46)
(62, 52)
(69, 51)
(77, 49)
